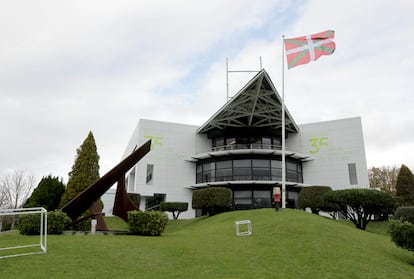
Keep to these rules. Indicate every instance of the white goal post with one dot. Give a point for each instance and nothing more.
(43, 231)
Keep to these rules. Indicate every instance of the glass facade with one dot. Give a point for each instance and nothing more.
(248, 169)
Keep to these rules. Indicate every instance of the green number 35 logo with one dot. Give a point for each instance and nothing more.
(316, 144)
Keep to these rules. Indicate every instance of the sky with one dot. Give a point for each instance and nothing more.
(70, 67)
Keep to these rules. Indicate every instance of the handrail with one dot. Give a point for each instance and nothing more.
(238, 146)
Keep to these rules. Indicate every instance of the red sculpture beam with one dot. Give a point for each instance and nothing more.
(85, 199)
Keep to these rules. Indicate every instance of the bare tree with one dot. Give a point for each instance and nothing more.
(384, 178)
(3, 202)
(15, 189)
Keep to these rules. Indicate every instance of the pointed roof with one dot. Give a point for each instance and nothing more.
(257, 104)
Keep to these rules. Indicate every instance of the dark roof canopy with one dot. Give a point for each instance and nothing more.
(256, 105)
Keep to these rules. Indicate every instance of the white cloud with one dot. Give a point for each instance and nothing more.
(71, 67)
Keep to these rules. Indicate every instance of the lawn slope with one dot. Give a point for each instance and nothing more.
(284, 244)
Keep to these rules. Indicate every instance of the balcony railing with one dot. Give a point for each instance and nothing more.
(238, 146)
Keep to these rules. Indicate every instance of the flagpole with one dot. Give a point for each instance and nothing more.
(283, 129)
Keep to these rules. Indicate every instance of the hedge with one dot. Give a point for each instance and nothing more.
(405, 213)
(402, 234)
(30, 224)
(312, 197)
(147, 223)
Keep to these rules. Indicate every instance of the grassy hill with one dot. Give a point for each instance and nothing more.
(284, 244)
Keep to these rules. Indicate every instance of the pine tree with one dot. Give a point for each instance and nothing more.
(405, 186)
(47, 194)
(85, 170)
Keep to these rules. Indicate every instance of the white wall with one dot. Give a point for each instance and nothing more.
(332, 145)
(172, 147)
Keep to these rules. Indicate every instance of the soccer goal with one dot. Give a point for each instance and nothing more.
(25, 248)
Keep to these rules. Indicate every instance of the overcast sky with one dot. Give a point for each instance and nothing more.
(70, 67)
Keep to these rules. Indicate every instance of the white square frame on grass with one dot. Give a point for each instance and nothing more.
(247, 224)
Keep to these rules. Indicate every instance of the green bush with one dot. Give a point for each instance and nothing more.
(312, 197)
(402, 234)
(212, 200)
(405, 213)
(174, 207)
(30, 224)
(56, 222)
(6, 223)
(147, 223)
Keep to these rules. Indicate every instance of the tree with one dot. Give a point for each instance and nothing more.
(384, 178)
(85, 170)
(174, 207)
(47, 194)
(15, 189)
(212, 200)
(360, 205)
(405, 186)
(312, 197)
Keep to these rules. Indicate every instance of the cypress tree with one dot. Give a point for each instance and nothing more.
(405, 186)
(47, 194)
(85, 170)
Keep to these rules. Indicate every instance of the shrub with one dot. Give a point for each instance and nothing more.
(5, 223)
(405, 213)
(312, 197)
(402, 234)
(56, 222)
(174, 207)
(30, 224)
(212, 200)
(147, 223)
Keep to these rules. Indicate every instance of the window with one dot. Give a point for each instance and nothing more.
(261, 170)
(223, 170)
(209, 171)
(130, 181)
(248, 169)
(276, 170)
(242, 169)
(218, 142)
(242, 197)
(353, 179)
(150, 173)
(291, 172)
(262, 198)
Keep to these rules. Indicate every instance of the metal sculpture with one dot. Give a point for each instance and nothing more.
(90, 195)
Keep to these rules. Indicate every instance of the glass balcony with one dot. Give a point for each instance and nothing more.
(239, 146)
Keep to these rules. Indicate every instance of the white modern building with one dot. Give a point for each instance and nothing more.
(239, 148)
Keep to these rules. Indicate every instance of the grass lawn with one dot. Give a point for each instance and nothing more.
(284, 244)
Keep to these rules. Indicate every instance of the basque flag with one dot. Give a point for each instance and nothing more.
(302, 50)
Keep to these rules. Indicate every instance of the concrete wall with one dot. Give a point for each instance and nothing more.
(172, 147)
(332, 145)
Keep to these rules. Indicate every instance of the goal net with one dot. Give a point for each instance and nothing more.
(12, 246)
